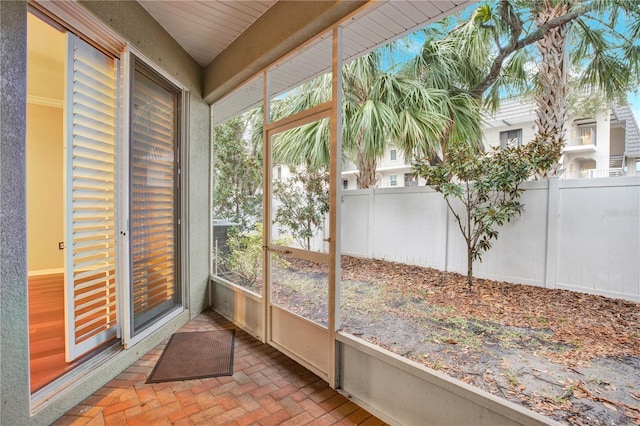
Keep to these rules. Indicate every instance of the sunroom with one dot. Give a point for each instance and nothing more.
(123, 90)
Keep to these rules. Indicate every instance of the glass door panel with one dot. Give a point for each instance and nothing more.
(237, 201)
(300, 286)
(154, 198)
(299, 220)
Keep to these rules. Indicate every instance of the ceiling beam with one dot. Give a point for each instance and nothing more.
(285, 26)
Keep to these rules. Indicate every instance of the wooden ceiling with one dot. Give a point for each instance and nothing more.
(204, 28)
(375, 25)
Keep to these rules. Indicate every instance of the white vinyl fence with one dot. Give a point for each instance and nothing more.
(582, 235)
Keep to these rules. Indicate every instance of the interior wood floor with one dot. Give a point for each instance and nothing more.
(46, 329)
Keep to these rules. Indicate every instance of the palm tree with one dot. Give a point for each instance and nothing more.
(601, 42)
(488, 54)
(436, 99)
(379, 107)
(551, 99)
(460, 60)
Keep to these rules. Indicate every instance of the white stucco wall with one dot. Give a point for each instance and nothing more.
(603, 132)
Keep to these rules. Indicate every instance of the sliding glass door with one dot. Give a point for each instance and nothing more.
(154, 221)
(104, 196)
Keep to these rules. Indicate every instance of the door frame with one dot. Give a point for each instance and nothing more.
(78, 21)
(128, 337)
(298, 337)
(331, 110)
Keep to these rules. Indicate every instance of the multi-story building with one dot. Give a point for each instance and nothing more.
(607, 145)
(394, 169)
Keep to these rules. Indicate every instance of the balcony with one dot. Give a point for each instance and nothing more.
(594, 173)
(586, 148)
(583, 140)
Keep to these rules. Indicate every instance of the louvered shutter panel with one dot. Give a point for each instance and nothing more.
(154, 200)
(90, 278)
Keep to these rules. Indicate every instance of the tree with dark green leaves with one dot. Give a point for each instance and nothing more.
(482, 190)
(302, 203)
(237, 177)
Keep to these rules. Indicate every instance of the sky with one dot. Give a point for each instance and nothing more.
(634, 101)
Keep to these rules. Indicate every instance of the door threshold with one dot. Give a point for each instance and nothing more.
(65, 383)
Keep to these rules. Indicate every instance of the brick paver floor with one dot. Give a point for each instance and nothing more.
(267, 388)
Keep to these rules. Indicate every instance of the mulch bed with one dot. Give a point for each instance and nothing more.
(571, 356)
(594, 326)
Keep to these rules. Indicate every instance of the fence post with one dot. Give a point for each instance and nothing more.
(551, 262)
(371, 222)
(447, 219)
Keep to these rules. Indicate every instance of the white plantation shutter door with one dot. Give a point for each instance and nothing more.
(90, 253)
(154, 197)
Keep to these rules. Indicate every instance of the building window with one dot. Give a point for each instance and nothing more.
(410, 179)
(393, 155)
(587, 134)
(511, 138)
(345, 184)
(393, 180)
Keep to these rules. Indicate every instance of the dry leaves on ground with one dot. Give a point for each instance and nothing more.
(556, 352)
(594, 326)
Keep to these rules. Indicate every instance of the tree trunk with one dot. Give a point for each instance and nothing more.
(469, 268)
(470, 242)
(552, 97)
(366, 177)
